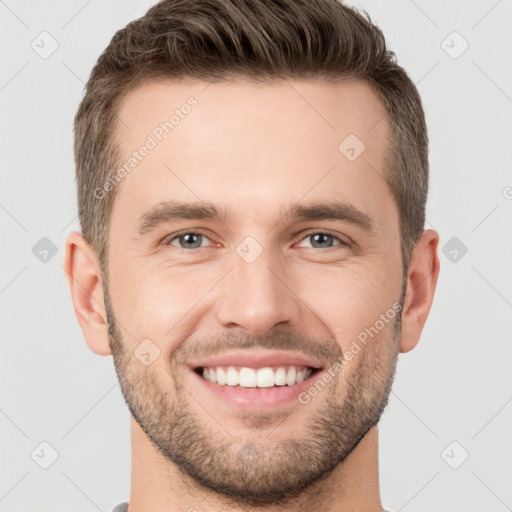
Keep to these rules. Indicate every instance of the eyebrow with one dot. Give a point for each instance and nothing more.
(169, 211)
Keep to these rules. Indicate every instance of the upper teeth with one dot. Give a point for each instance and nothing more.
(261, 378)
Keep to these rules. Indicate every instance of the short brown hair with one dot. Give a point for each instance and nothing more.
(263, 40)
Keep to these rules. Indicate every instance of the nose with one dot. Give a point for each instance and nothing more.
(258, 296)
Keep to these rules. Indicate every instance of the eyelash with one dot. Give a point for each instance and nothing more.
(342, 243)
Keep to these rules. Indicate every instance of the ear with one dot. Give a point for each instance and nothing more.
(83, 274)
(421, 284)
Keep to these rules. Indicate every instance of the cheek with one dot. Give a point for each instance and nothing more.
(161, 303)
(351, 300)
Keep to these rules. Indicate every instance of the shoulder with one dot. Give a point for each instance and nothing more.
(122, 507)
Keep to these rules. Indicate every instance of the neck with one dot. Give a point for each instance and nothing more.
(158, 485)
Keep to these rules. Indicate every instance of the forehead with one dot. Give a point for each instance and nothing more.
(330, 107)
(251, 145)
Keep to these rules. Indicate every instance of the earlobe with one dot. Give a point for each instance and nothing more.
(83, 274)
(421, 284)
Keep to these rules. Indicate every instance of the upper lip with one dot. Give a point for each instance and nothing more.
(257, 359)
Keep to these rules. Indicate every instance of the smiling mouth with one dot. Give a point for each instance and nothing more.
(240, 377)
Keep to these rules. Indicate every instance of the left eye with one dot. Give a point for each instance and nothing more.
(320, 240)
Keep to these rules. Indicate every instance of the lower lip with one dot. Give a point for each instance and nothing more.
(256, 398)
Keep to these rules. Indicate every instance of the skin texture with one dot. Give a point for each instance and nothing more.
(255, 150)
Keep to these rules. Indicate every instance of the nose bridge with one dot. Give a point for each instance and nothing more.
(256, 295)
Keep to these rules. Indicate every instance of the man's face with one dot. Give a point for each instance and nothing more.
(257, 282)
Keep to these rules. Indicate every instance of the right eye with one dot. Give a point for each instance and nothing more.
(187, 240)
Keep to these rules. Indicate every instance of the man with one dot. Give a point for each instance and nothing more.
(252, 179)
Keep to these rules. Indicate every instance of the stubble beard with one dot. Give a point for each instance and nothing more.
(255, 470)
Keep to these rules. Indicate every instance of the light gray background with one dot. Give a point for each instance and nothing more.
(455, 386)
